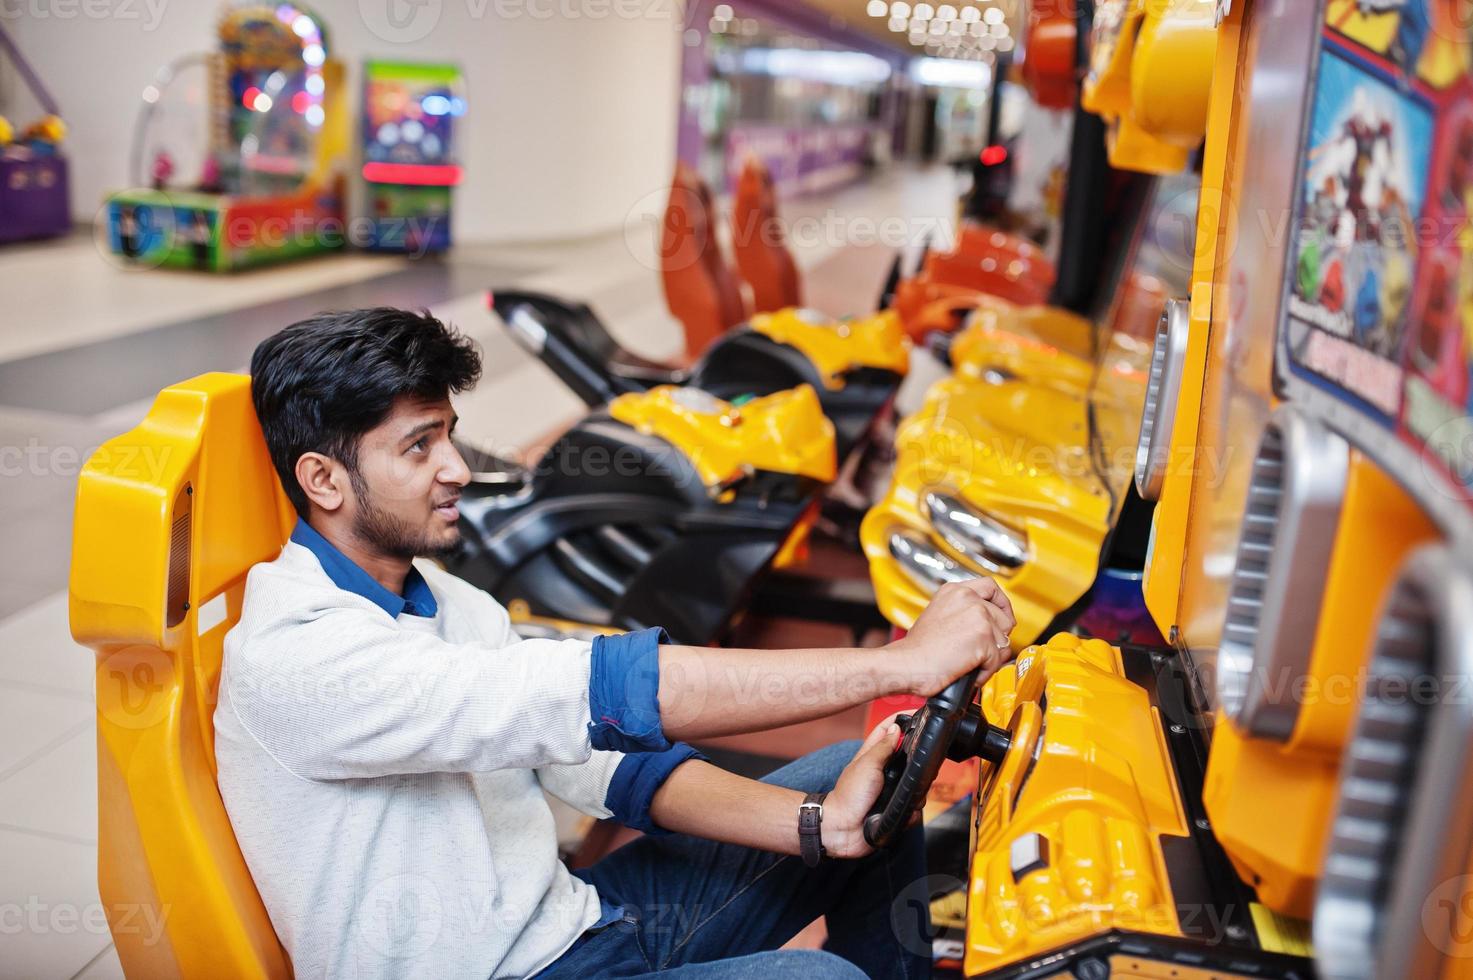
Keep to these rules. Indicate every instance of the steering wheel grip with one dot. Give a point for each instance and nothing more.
(911, 769)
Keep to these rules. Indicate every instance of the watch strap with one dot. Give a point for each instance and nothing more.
(810, 827)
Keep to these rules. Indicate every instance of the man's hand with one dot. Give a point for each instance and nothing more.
(855, 793)
(966, 626)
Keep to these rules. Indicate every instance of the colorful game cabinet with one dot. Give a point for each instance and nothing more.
(237, 155)
(409, 153)
(1314, 585)
(34, 202)
(1357, 728)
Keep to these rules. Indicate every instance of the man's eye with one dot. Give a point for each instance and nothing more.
(421, 444)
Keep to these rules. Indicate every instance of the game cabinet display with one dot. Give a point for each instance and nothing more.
(410, 114)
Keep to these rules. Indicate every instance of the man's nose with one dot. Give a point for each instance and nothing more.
(454, 469)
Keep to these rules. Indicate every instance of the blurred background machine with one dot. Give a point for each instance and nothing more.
(33, 170)
(410, 168)
(237, 155)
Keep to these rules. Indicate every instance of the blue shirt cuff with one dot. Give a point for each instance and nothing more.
(636, 780)
(624, 692)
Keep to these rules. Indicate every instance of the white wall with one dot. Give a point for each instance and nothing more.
(571, 119)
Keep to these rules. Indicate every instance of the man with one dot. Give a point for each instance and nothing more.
(384, 739)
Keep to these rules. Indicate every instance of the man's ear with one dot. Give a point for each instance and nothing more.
(321, 479)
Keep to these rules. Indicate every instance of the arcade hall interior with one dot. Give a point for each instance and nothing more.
(1148, 322)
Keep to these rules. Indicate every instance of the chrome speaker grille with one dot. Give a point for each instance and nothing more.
(1284, 546)
(1163, 385)
(1402, 824)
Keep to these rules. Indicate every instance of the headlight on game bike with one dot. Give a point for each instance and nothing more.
(989, 544)
(924, 563)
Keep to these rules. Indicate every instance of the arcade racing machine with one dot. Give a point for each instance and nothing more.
(663, 508)
(1020, 465)
(855, 365)
(1283, 790)
(1023, 481)
(409, 160)
(237, 155)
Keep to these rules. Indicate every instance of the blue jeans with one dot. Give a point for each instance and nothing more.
(698, 909)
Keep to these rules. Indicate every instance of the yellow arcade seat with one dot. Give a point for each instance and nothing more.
(169, 518)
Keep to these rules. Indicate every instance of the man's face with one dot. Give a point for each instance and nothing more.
(408, 480)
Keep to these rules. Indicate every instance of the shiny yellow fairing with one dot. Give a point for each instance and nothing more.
(1015, 452)
(1102, 793)
(1042, 344)
(165, 844)
(838, 346)
(1271, 803)
(781, 433)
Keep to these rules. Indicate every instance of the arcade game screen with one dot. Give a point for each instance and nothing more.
(408, 120)
(1378, 314)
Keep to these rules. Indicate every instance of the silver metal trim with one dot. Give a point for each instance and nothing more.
(923, 563)
(1277, 587)
(1163, 388)
(986, 542)
(1401, 832)
(527, 330)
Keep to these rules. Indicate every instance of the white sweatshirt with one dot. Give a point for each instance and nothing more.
(384, 776)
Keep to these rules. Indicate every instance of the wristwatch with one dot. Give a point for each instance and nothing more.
(810, 826)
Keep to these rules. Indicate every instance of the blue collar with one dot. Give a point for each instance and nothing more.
(417, 599)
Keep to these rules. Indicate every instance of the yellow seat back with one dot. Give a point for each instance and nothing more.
(169, 519)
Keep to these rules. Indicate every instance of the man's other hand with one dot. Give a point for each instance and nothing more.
(855, 793)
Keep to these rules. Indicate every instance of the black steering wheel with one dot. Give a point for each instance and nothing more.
(948, 726)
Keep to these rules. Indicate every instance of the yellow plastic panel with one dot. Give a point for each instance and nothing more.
(1149, 78)
(781, 433)
(1171, 71)
(1106, 90)
(836, 347)
(1099, 790)
(1164, 569)
(1015, 452)
(169, 518)
(1271, 802)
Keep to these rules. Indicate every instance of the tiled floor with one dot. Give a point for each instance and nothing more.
(67, 382)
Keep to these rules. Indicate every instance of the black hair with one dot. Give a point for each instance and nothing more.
(323, 382)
